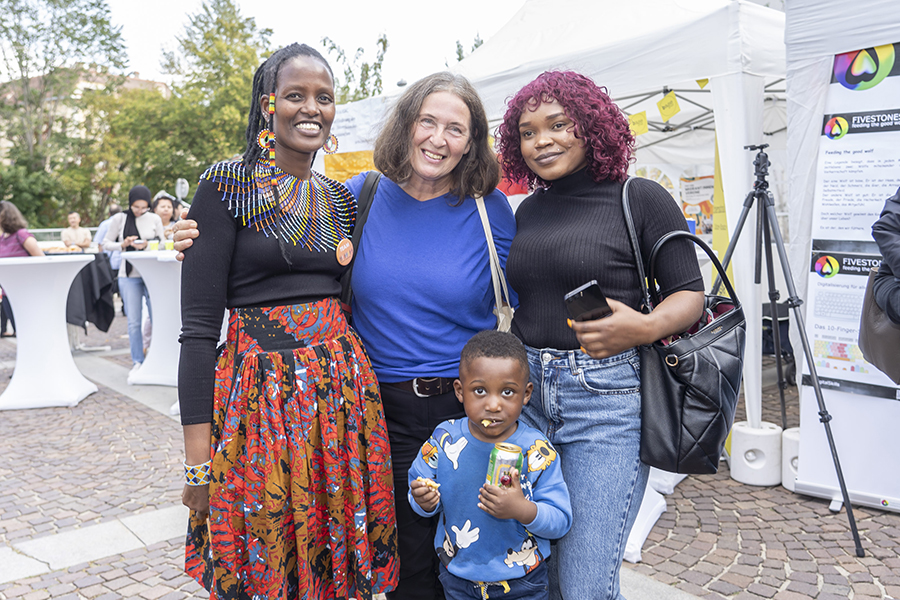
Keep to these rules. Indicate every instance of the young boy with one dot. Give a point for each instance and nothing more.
(492, 539)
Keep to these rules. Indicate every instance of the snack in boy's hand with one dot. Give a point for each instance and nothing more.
(432, 484)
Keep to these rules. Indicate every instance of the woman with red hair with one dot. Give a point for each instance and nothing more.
(563, 136)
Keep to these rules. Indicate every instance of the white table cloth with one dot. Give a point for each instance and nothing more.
(162, 276)
(45, 374)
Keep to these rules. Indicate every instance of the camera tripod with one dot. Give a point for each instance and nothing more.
(767, 229)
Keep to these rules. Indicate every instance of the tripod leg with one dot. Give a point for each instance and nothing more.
(748, 203)
(795, 302)
(773, 308)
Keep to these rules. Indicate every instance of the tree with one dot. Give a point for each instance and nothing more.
(360, 79)
(461, 52)
(217, 56)
(48, 47)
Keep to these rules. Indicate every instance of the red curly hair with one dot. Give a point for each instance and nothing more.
(609, 144)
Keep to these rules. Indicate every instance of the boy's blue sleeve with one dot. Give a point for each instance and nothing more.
(421, 468)
(551, 495)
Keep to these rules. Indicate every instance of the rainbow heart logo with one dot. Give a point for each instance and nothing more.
(864, 69)
(836, 128)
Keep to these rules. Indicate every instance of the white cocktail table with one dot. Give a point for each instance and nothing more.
(45, 374)
(162, 276)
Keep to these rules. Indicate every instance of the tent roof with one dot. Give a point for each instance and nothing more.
(817, 28)
(628, 47)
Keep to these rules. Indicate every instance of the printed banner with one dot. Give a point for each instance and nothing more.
(858, 169)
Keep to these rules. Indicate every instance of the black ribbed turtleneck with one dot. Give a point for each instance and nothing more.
(574, 232)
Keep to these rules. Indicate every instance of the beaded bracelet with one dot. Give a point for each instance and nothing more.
(197, 475)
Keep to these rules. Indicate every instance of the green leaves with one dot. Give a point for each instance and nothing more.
(360, 79)
(48, 49)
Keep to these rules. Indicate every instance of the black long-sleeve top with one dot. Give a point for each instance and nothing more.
(575, 231)
(230, 265)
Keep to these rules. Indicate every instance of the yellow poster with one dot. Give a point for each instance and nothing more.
(638, 123)
(720, 236)
(344, 165)
(668, 106)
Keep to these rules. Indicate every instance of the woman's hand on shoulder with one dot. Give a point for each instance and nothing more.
(625, 328)
(185, 233)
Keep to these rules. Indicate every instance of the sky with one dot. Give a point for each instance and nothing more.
(421, 39)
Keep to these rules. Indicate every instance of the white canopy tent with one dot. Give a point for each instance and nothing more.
(637, 47)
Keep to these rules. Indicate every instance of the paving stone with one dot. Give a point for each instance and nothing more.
(759, 589)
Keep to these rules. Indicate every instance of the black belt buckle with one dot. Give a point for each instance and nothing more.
(427, 383)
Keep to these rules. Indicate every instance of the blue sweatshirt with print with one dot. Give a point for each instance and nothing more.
(472, 544)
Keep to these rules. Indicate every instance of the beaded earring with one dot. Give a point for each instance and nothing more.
(263, 139)
(272, 134)
(331, 144)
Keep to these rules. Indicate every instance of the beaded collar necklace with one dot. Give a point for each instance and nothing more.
(316, 213)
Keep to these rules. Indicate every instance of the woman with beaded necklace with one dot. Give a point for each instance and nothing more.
(286, 448)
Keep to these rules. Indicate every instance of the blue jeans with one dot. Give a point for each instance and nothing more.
(591, 411)
(132, 289)
(531, 587)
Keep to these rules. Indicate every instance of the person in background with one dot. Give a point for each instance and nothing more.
(494, 537)
(130, 231)
(168, 209)
(183, 211)
(564, 136)
(75, 234)
(15, 240)
(886, 232)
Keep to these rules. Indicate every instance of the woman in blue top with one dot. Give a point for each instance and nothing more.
(422, 281)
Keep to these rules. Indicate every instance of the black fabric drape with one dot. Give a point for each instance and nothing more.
(91, 295)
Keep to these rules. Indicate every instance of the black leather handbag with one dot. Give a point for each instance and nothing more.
(689, 381)
(879, 337)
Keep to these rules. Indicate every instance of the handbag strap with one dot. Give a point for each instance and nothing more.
(635, 246)
(363, 204)
(703, 246)
(497, 278)
(650, 294)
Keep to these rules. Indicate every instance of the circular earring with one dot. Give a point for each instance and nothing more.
(331, 144)
(262, 140)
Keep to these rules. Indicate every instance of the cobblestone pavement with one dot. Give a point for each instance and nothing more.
(152, 573)
(723, 539)
(62, 469)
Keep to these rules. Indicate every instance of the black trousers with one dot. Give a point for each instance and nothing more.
(410, 422)
(6, 314)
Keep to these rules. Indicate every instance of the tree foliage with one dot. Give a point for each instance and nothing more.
(217, 56)
(48, 47)
(359, 79)
(461, 51)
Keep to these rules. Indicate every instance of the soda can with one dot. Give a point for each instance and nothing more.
(504, 458)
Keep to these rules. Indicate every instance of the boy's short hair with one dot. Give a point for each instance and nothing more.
(494, 344)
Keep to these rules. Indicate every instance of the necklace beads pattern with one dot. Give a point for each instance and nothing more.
(317, 213)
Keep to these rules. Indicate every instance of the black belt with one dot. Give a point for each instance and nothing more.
(423, 387)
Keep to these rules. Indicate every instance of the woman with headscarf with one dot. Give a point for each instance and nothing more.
(129, 231)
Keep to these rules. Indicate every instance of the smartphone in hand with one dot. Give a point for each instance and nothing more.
(587, 303)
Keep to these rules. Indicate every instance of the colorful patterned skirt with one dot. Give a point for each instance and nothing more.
(301, 502)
